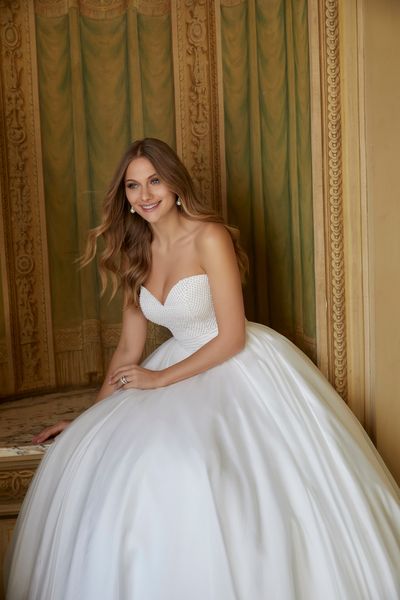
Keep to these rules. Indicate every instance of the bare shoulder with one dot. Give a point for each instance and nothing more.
(212, 235)
(215, 248)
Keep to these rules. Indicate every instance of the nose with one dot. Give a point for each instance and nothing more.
(145, 191)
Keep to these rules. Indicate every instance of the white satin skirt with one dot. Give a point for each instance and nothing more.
(251, 481)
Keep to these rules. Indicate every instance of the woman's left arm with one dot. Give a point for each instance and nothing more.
(218, 260)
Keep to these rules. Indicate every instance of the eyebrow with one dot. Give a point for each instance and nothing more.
(149, 177)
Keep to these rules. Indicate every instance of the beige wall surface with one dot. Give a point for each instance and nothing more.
(382, 113)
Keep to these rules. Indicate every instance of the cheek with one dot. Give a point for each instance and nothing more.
(130, 195)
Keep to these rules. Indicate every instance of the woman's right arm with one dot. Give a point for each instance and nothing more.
(128, 351)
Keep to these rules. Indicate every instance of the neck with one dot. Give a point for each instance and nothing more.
(166, 233)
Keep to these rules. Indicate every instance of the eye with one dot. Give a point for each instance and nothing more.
(131, 185)
(155, 180)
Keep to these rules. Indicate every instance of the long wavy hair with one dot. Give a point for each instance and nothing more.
(126, 256)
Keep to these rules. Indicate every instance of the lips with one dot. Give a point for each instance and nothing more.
(149, 207)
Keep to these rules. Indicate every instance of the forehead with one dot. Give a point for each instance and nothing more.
(139, 168)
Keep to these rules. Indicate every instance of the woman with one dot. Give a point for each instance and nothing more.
(223, 467)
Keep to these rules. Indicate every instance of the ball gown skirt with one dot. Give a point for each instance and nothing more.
(250, 481)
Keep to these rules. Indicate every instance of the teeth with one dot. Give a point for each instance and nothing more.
(148, 206)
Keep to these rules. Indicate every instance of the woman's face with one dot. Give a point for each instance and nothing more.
(146, 192)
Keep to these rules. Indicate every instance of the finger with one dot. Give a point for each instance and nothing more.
(46, 433)
(123, 372)
(41, 437)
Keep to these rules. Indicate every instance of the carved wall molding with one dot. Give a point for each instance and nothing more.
(335, 195)
(14, 485)
(328, 191)
(106, 9)
(198, 96)
(16, 474)
(24, 244)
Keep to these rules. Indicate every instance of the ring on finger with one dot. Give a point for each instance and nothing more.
(123, 380)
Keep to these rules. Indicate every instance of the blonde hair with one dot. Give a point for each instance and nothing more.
(127, 238)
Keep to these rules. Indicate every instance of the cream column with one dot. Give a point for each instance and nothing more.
(382, 120)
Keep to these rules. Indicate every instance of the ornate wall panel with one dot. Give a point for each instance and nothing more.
(328, 196)
(24, 246)
(198, 95)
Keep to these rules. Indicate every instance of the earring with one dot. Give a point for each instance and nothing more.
(132, 210)
(178, 201)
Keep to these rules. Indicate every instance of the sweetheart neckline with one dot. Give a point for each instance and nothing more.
(172, 288)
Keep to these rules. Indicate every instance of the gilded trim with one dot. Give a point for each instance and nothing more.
(23, 215)
(199, 120)
(335, 197)
(327, 192)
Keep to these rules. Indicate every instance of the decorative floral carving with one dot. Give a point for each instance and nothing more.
(14, 484)
(19, 192)
(197, 95)
(24, 247)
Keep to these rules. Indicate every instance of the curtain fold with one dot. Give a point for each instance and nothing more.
(104, 80)
(268, 156)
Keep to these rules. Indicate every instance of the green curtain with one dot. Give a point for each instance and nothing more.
(106, 81)
(266, 85)
(102, 83)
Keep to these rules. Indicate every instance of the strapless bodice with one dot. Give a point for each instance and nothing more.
(188, 310)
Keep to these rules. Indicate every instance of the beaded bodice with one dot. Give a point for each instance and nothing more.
(187, 312)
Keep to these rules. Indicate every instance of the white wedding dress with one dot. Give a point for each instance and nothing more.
(250, 481)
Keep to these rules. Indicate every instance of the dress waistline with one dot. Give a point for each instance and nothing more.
(198, 341)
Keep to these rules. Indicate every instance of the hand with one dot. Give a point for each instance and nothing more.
(136, 377)
(51, 431)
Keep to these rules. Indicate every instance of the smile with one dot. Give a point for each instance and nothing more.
(148, 207)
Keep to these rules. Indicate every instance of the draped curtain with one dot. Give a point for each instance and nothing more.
(106, 76)
(102, 83)
(266, 84)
